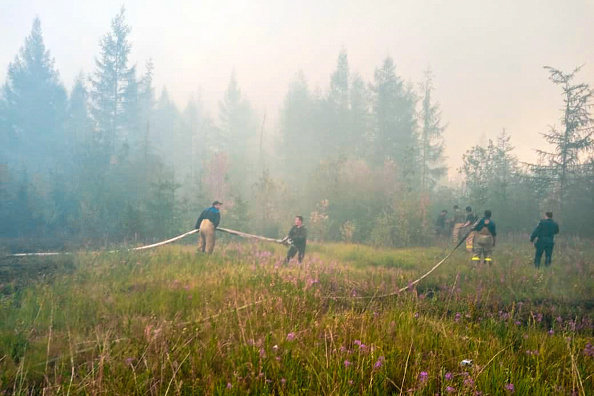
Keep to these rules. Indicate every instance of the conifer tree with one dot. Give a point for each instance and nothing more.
(565, 162)
(34, 104)
(110, 83)
(395, 135)
(431, 141)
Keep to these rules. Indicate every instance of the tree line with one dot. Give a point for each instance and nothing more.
(363, 161)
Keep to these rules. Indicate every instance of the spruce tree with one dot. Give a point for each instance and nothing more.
(395, 135)
(34, 104)
(431, 141)
(110, 83)
(565, 162)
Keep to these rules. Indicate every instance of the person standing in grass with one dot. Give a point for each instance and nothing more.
(470, 219)
(297, 239)
(207, 223)
(545, 231)
(484, 239)
(458, 223)
(440, 224)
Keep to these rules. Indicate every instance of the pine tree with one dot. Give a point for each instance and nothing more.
(298, 138)
(110, 83)
(505, 167)
(477, 170)
(337, 132)
(34, 104)
(395, 135)
(431, 141)
(236, 121)
(570, 143)
(359, 117)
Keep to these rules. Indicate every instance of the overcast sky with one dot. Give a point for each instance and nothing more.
(487, 56)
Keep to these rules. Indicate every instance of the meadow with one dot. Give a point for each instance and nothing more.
(171, 321)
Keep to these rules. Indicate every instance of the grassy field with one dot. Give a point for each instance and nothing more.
(171, 321)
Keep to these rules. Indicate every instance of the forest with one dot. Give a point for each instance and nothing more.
(113, 161)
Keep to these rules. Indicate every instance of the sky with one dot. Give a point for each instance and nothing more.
(487, 56)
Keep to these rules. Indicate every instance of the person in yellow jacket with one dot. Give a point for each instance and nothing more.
(207, 223)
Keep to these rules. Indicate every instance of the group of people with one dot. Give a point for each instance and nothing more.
(210, 218)
(481, 234)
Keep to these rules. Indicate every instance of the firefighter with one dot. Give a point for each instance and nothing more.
(545, 231)
(484, 239)
(470, 219)
(457, 223)
(297, 239)
(207, 223)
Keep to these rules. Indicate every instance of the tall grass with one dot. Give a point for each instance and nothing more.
(171, 321)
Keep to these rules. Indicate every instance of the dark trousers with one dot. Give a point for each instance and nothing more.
(293, 250)
(543, 245)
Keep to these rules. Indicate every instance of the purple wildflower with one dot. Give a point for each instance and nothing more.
(450, 389)
(229, 386)
(551, 332)
(347, 363)
(449, 376)
(129, 360)
(457, 317)
(262, 353)
(379, 363)
(469, 382)
(589, 350)
(357, 342)
(423, 376)
(290, 336)
(510, 388)
(283, 381)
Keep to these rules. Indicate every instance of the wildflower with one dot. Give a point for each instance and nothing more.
(589, 350)
(559, 319)
(423, 376)
(229, 386)
(275, 347)
(551, 332)
(450, 389)
(357, 342)
(129, 360)
(347, 363)
(379, 363)
(290, 336)
(283, 381)
(510, 388)
(449, 376)
(416, 315)
(350, 382)
(518, 323)
(342, 349)
(458, 316)
(469, 382)
(262, 353)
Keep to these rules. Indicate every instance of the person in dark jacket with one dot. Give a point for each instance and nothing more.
(207, 223)
(297, 239)
(544, 233)
(484, 239)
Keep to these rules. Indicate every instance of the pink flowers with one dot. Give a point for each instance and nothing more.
(347, 363)
(510, 388)
(423, 376)
(379, 363)
(290, 336)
